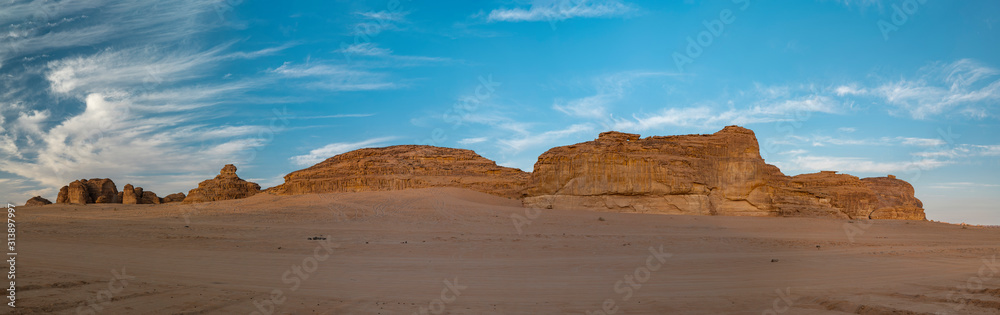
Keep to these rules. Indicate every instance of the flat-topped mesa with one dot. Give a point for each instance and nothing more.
(716, 174)
(225, 186)
(404, 167)
(721, 173)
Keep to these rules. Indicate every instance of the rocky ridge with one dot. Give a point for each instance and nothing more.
(717, 174)
(404, 167)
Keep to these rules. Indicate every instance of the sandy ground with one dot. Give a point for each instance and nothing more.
(453, 251)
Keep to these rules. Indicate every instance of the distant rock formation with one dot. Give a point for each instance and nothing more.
(131, 195)
(149, 197)
(717, 174)
(178, 197)
(103, 190)
(225, 186)
(404, 167)
(37, 201)
(95, 190)
(78, 194)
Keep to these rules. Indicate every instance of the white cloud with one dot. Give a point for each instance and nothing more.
(39, 25)
(847, 129)
(794, 152)
(857, 165)
(883, 141)
(330, 150)
(468, 141)
(335, 77)
(962, 151)
(961, 185)
(555, 10)
(365, 49)
(610, 88)
(546, 138)
(965, 86)
(114, 138)
(398, 16)
(850, 90)
(706, 117)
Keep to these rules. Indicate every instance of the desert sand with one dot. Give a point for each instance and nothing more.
(456, 251)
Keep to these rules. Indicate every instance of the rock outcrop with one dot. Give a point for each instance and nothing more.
(178, 197)
(225, 186)
(718, 174)
(78, 194)
(131, 195)
(896, 199)
(95, 190)
(37, 201)
(150, 198)
(405, 167)
(103, 190)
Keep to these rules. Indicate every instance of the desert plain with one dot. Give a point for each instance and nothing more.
(458, 251)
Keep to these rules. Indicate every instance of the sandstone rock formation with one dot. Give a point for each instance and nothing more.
(224, 186)
(718, 174)
(37, 201)
(103, 190)
(149, 197)
(404, 167)
(178, 197)
(95, 190)
(131, 195)
(78, 194)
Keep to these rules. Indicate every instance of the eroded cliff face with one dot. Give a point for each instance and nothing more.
(716, 174)
(404, 167)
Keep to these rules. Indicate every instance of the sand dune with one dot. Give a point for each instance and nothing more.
(455, 251)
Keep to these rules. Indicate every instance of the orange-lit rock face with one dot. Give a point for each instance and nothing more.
(404, 167)
(717, 174)
(225, 186)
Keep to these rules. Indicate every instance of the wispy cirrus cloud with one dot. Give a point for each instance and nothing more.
(132, 105)
(965, 87)
(810, 163)
(330, 150)
(559, 10)
(526, 141)
(707, 117)
(335, 77)
(610, 89)
(468, 141)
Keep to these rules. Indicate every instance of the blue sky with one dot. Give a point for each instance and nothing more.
(161, 94)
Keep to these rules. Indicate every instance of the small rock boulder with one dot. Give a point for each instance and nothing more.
(178, 197)
(37, 201)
